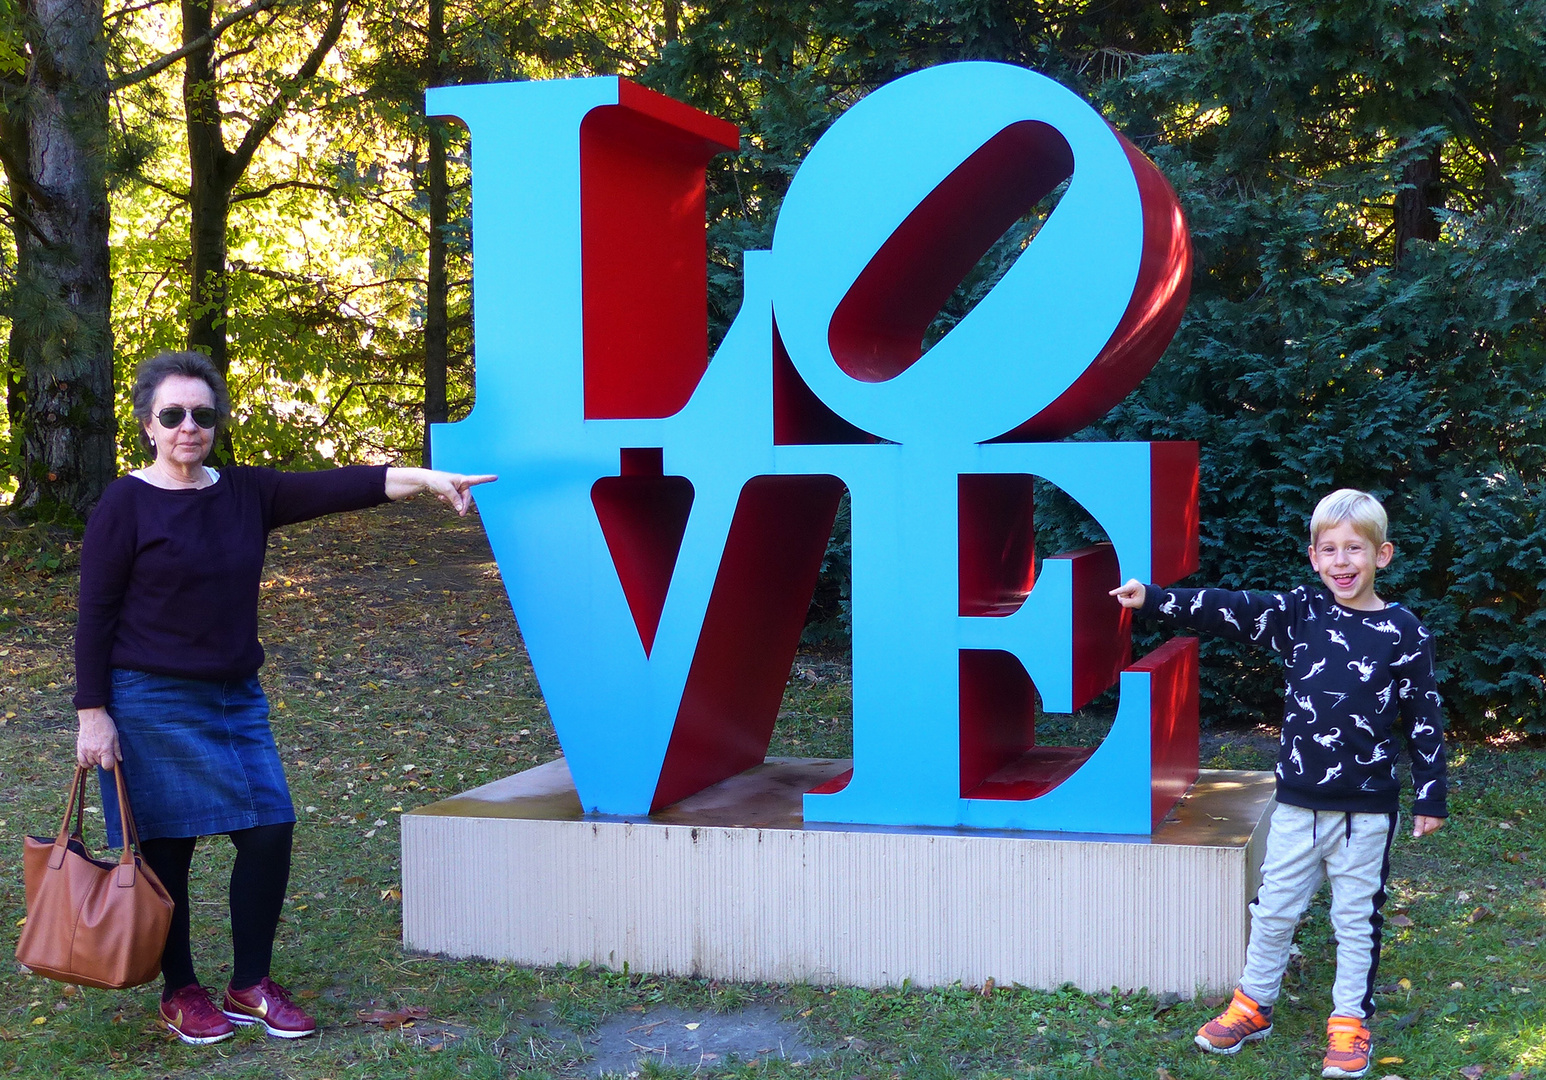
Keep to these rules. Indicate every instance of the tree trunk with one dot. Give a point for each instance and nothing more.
(61, 334)
(1420, 193)
(209, 191)
(436, 339)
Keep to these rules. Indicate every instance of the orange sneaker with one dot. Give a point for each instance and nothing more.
(1347, 1047)
(1244, 1021)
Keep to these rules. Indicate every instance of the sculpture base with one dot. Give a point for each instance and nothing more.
(732, 884)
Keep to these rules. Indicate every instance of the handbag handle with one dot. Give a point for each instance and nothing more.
(76, 804)
(72, 805)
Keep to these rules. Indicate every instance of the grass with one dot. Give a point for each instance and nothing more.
(397, 678)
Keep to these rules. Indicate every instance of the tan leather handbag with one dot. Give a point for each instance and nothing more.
(92, 921)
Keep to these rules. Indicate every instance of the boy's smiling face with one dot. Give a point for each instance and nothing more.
(1346, 561)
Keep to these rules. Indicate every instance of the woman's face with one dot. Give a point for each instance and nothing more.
(187, 444)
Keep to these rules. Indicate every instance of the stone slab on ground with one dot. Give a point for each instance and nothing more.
(696, 1040)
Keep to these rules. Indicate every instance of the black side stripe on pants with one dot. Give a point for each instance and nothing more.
(1377, 923)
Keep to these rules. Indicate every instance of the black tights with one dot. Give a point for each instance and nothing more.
(258, 882)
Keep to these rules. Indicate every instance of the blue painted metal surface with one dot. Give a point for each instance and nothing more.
(614, 706)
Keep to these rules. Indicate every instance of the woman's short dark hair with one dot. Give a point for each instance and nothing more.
(153, 372)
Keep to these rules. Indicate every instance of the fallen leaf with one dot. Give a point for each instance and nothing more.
(1405, 984)
(1399, 920)
(692, 1026)
(1457, 985)
(393, 1018)
(1392, 1061)
(355, 880)
(391, 894)
(40, 1019)
(1163, 1073)
(1473, 1072)
(1479, 913)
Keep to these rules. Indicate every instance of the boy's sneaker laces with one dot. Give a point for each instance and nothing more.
(1347, 1047)
(1244, 1021)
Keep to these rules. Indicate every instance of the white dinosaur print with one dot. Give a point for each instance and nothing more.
(1308, 705)
(1295, 653)
(1384, 695)
(1333, 694)
(1229, 617)
(1336, 636)
(1378, 755)
(1261, 624)
(1385, 627)
(1279, 770)
(1431, 758)
(1406, 689)
(1422, 792)
(1363, 667)
(1197, 601)
(1422, 633)
(1294, 758)
(1170, 607)
(1282, 603)
(1331, 774)
(1331, 740)
(1367, 785)
(1362, 723)
(1434, 694)
(1422, 727)
(1316, 668)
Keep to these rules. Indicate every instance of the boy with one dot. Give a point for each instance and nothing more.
(1359, 670)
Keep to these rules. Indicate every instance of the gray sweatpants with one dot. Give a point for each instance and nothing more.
(1304, 848)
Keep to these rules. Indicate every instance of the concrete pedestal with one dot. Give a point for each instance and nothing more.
(732, 884)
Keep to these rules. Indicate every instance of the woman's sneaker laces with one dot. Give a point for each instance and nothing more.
(191, 1015)
(269, 1004)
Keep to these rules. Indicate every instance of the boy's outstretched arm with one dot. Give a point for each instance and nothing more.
(1254, 618)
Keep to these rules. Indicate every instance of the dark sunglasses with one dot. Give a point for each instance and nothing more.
(172, 416)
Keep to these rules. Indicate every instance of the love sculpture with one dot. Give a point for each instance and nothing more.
(660, 520)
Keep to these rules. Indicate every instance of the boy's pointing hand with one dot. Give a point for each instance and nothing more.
(1422, 824)
(1130, 595)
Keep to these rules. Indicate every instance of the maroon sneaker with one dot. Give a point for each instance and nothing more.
(191, 1015)
(269, 1004)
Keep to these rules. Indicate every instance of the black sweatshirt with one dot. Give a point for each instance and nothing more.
(169, 579)
(1353, 680)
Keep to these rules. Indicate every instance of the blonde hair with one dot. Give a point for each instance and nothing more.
(1357, 508)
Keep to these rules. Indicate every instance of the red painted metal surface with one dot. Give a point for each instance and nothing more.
(876, 332)
(1173, 727)
(643, 516)
(995, 519)
(799, 416)
(1148, 324)
(643, 251)
(1033, 773)
(1175, 519)
(1103, 637)
(998, 715)
(747, 645)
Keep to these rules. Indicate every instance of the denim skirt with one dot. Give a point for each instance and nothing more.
(198, 757)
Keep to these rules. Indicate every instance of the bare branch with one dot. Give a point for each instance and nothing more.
(203, 41)
(275, 109)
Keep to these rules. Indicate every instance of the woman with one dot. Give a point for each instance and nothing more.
(166, 661)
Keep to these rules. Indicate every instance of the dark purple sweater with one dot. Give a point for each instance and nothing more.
(169, 579)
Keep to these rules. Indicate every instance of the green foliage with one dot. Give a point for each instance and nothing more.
(1307, 362)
